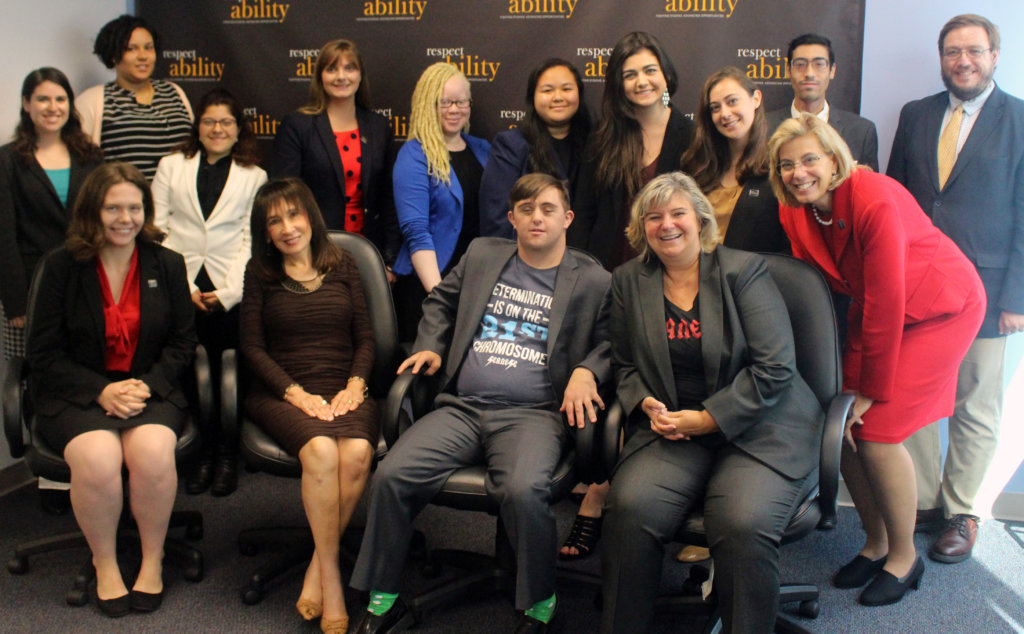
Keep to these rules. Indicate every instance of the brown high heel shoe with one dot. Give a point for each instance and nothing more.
(308, 609)
(339, 626)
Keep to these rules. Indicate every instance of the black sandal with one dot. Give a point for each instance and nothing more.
(585, 533)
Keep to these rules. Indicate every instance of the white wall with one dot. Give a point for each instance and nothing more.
(56, 33)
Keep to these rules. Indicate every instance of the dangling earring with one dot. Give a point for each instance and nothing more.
(665, 98)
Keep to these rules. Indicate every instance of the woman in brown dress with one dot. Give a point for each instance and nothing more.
(307, 340)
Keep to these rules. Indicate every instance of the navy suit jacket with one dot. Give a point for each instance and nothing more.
(859, 133)
(577, 332)
(982, 205)
(305, 147)
(67, 344)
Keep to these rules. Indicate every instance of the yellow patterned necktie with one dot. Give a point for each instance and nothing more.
(947, 145)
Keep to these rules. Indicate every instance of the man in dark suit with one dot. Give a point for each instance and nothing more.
(812, 65)
(961, 154)
(515, 329)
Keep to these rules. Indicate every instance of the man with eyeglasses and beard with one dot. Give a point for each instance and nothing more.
(961, 154)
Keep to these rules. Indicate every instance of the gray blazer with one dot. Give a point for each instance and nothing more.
(859, 133)
(982, 205)
(757, 397)
(577, 333)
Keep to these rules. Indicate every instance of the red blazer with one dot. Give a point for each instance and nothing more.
(898, 268)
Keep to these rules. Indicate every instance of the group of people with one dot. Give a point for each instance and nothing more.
(486, 246)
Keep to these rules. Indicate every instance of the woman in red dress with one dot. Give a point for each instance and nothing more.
(917, 306)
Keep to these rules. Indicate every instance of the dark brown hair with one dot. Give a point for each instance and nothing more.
(85, 233)
(618, 141)
(266, 259)
(529, 186)
(708, 156)
(246, 150)
(78, 142)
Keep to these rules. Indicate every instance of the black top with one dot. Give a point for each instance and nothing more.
(682, 327)
(468, 171)
(210, 181)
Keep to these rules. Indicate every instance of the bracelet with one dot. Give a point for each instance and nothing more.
(366, 389)
(284, 397)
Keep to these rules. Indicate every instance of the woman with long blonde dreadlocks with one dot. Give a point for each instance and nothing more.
(437, 183)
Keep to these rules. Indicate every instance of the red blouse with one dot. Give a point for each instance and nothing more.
(352, 162)
(121, 319)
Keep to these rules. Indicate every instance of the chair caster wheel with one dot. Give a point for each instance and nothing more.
(17, 565)
(809, 609)
(76, 597)
(248, 549)
(251, 596)
(193, 574)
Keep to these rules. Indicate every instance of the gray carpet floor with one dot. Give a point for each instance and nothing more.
(984, 594)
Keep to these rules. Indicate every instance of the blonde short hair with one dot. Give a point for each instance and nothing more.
(831, 142)
(658, 192)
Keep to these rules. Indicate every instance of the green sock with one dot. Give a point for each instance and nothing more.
(380, 602)
(543, 610)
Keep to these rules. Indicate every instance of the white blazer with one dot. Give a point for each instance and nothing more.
(222, 242)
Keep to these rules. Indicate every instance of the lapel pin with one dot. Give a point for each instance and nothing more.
(754, 193)
(151, 283)
(842, 224)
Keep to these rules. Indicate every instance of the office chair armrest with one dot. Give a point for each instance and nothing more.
(204, 387)
(590, 449)
(418, 390)
(611, 434)
(831, 449)
(229, 395)
(13, 406)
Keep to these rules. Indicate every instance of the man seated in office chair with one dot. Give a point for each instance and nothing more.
(519, 333)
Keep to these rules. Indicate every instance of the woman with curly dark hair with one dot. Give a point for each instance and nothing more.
(134, 118)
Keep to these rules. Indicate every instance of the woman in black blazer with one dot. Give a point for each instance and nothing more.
(641, 134)
(41, 172)
(729, 160)
(110, 336)
(704, 359)
(342, 150)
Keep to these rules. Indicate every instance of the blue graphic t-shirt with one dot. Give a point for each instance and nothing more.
(507, 363)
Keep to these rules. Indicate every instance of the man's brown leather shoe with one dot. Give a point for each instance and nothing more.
(956, 542)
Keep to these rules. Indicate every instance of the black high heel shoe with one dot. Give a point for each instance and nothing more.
(859, 571)
(886, 589)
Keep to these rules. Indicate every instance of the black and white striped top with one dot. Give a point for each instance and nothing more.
(142, 134)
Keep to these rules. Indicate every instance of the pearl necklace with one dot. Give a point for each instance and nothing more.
(818, 217)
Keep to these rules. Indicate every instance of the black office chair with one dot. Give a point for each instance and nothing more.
(43, 461)
(262, 453)
(410, 398)
(809, 303)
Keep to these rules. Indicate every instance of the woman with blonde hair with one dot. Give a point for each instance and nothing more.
(342, 150)
(437, 187)
(917, 306)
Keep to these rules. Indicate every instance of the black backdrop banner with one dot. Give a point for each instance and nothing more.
(264, 51)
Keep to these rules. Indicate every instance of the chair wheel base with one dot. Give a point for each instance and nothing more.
(251, 596)
(17, 565)
(76, 597)
(809, 609)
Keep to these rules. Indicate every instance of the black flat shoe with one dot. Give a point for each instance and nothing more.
(201, 477)
(116, 607)
(225, 475)
(858, 572)
(370, 623)
(146, 601)
(886, 589)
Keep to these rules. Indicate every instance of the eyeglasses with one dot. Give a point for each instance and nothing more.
(224, 123)
(807, 160)
(801, 63)
(461, 104)
(973, 53)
